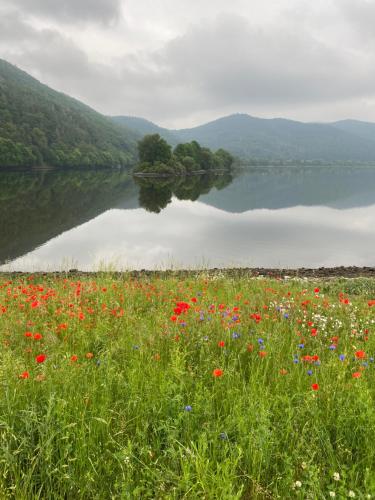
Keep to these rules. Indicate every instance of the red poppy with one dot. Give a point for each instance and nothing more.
(28, 334)
(315, 387)
(40, 358)
(356, 374)
(74, 358)
(25, 375)
(262, 354)
(38, 336)
(89, 355)
(221, 343)
(360, 354)
(316, 290)
(217, 372)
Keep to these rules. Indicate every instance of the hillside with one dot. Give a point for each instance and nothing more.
(365, 130)
(144, 127)
(41, 126)
(252, 138)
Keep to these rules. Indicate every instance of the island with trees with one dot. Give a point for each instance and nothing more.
(156, 158)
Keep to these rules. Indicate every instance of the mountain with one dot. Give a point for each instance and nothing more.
(276, 139)
(249, 137)
(365, 130)
(144, 127)
(41, 126)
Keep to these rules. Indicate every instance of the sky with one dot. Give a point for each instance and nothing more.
(181, 63)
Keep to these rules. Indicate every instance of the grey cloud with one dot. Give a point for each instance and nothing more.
(72, 11)
(360, 15)
(217, 67)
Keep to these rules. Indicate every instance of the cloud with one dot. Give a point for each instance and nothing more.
(72, 11)
(216, 66)
(360, 16)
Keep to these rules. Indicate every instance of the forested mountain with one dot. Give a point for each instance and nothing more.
(41, 126)
(255, 139)
(250, 137)
(366, 130)
(145, 127)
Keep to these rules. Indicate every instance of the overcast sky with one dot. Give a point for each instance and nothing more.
(184, 62)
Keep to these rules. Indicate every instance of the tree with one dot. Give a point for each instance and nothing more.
(153, 148)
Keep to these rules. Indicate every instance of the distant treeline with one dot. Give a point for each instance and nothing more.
(156, 156)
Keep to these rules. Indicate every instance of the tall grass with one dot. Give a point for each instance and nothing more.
(126, 404)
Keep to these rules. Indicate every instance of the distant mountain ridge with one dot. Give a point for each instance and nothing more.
(41, 126)
(274, 139)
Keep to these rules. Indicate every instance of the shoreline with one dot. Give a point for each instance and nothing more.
(321, 272)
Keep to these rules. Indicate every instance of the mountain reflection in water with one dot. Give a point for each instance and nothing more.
(261, 217)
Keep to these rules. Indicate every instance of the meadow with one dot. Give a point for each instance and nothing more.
(196, 387)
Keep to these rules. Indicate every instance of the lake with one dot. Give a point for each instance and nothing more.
(259, 217)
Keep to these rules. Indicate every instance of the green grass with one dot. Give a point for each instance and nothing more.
(107, 414)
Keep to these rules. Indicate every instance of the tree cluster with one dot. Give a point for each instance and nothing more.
(156, 156)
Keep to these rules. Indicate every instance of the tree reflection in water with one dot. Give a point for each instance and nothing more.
(156, 193)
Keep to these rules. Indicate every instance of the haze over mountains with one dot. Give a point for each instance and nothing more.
(274, 139)
(39, 126)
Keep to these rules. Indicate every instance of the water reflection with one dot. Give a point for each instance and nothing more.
(156, 194)
(261, 217)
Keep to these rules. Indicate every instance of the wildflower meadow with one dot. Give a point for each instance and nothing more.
(194, 387)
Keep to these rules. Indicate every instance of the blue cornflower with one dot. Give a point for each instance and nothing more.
(235, 335)
(260, 341)
(342, 357)
(188, 408)
(224, 436)
(295, 360)
(332, 347)
(309, 372)
(286, 316)
(371, 360)
(301, 346)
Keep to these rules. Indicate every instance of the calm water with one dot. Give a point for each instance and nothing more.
(271, 217)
